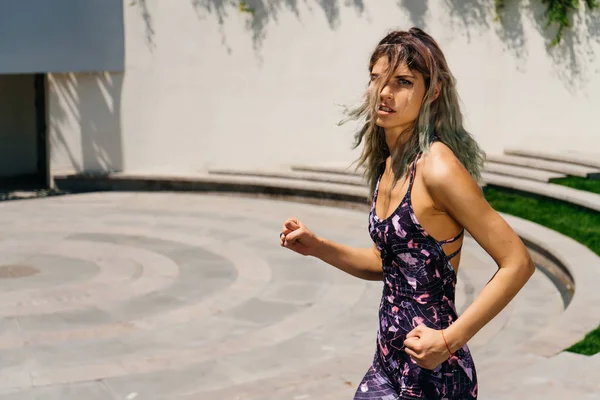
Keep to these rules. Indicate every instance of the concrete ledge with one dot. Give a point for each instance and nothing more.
(288, 183)
(582, 315)
(214, 183)
(521, 172)
(329, 169)
(545, 165)
(284, 173)
(572, 157)
(559, 192)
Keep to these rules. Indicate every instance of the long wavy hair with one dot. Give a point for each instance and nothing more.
(438, 117)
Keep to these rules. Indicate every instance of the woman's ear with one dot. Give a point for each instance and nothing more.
(438, 89)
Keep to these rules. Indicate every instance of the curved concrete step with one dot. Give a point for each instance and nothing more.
(584, 267)
(318, 176)
(340, 169)
(564, 376)
(559, 192)
(290, 181)
(284, 185)
(546, 165)
(568, 156)
(521, 172)
(205, 182)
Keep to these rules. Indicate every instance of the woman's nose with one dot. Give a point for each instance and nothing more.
(386, 92)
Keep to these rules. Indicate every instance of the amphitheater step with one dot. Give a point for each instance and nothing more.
(340, 169)
(559, 192)
(546, 165)
(521, 172)
(568, 156)
(283, 173)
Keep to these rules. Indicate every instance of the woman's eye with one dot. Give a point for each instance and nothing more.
(404, 82)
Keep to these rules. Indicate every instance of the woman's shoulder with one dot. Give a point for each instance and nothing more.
(442, 169)
(439, 161)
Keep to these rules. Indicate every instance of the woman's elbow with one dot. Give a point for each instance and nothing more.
(528, 267)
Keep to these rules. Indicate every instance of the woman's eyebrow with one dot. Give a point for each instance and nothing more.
(404, 76)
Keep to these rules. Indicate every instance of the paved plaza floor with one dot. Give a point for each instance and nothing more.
(189, 296)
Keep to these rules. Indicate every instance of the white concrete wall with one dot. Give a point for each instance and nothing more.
(18, 139)
(207, 85)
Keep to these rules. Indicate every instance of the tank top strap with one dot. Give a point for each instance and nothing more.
(451, 256)
(411, 178)
(454, 239)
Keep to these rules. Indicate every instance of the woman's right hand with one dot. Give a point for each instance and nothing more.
(297, 237)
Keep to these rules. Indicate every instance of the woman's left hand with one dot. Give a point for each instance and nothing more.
(426, 347)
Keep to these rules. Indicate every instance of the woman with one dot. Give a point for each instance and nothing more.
(422, 168)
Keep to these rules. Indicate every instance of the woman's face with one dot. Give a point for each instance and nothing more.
(400, 99)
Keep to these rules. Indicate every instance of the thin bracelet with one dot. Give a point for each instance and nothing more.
(447, 347)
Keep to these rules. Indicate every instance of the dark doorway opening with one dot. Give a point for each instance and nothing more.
(24, 160)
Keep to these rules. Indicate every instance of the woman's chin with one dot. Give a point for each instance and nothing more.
(380, 122)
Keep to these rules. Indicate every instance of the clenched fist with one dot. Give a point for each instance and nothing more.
(297, 237)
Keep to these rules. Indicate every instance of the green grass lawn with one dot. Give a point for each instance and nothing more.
(576, 222)
(590, 185)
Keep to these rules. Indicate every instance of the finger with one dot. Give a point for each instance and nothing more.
(294, 236)
(412, 354)
(292, 224)
(415, 333)
(410, 343)
(285, 230)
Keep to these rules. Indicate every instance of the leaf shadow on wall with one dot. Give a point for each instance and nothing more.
(260, 13)
(149, 24)
(572, 59)
(85, 124)
(468, 18)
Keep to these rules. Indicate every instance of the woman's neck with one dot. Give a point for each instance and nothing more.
(397, 137)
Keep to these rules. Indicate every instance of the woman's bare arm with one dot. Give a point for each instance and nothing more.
(364, 263)
(360, 262)
(453, 190)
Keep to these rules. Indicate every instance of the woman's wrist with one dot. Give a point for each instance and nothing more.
(319, 248)
(455, 337)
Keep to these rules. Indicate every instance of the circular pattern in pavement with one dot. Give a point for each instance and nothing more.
(186, 296)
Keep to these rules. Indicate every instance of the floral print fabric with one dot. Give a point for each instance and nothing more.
(418, 288)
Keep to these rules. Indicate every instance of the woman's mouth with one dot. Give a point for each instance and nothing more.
(384, 110)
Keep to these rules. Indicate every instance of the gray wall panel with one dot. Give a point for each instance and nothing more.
(61, 36)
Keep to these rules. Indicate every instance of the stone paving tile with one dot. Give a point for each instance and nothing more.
(152, 303)
(19, 358)
(299, 293)
(90, 316)
(168, 383)
(80, 353)
(262, 312)
(304, 270)
(8, 325)
(85, 390)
